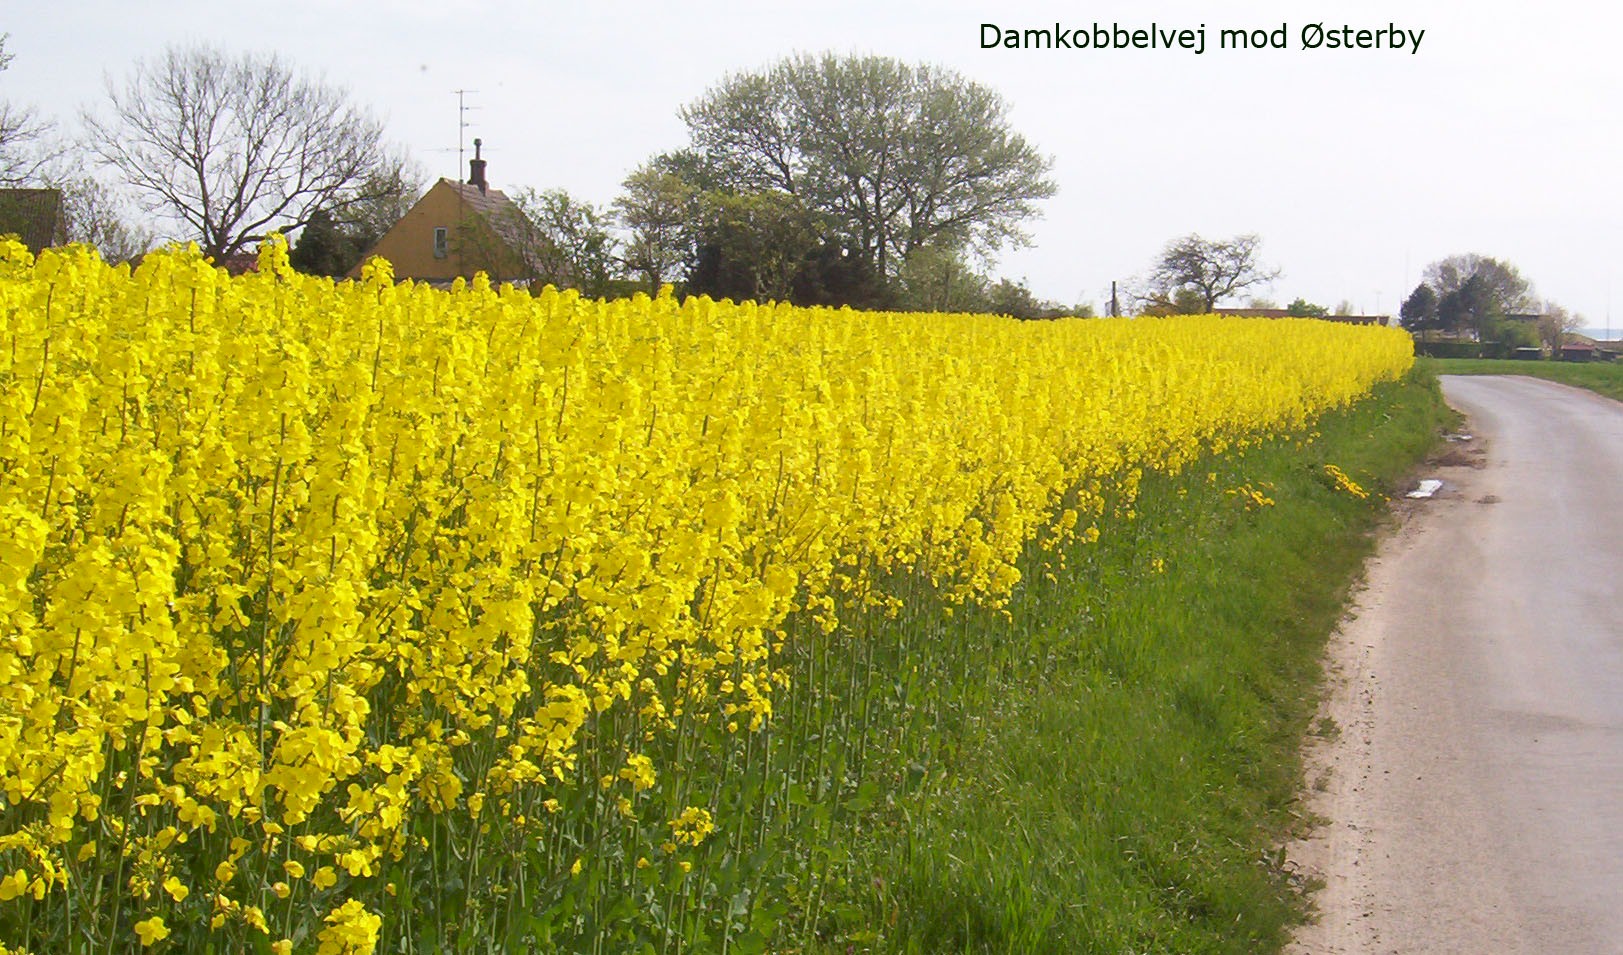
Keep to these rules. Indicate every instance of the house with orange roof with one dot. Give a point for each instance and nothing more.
(457, 229)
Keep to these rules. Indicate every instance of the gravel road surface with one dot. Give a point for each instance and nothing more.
(1472, 781)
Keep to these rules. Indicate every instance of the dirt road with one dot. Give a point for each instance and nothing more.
(1474, 789)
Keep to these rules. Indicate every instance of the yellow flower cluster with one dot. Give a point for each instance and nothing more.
(1250, 497)
(692, 826)
(289, 565)
(1342, 482)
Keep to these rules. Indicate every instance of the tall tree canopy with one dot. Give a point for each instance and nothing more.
(1302, 308)
(890, 157)
(234, 147)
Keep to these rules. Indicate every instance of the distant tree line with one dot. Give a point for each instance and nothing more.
(1484, 298)
(847, 180)
(826, 180)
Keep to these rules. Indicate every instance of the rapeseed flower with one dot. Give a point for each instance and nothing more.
(151, 931)
(296, 574)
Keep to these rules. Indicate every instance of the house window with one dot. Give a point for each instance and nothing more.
(441, 241)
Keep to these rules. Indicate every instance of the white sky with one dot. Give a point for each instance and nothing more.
(1502, 136)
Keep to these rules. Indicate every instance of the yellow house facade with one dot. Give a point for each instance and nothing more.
(457, 229)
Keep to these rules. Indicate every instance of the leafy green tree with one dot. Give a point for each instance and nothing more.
(1302, 308)
(322, 248)
(1498, 282)
(752, 245)
(1015, 299)
(659, 207)
(1473, 291)
(834, 275)
(1183, 301)
(893, 157)
(1469, 307)
(330, 245)
(939, 280)
(564, 241)
(1419, 310)
(1512, 333)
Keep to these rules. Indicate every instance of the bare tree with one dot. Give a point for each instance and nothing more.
(234, 148)
(22, 136)
(1194, 274)
(97, 215)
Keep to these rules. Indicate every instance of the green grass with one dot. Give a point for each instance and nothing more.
(1113, 766)
(1604, 378)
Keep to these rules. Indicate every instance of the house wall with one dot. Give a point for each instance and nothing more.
(410, 243)
(34, 216)
(470, 244)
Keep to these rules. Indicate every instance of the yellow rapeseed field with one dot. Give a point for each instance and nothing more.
(339, 612)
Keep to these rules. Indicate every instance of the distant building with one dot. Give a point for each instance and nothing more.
(240, 262)
(35, 216)
(457, 229)
(1285, 313)
(1581, 351)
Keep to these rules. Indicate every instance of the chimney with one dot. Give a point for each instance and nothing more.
(476, 169)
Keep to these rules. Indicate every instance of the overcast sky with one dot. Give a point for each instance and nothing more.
(1502, 135)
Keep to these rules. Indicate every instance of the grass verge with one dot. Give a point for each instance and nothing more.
(1117, 764)
(1604, 378)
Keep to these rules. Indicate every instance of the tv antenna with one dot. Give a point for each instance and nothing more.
(462, 110)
